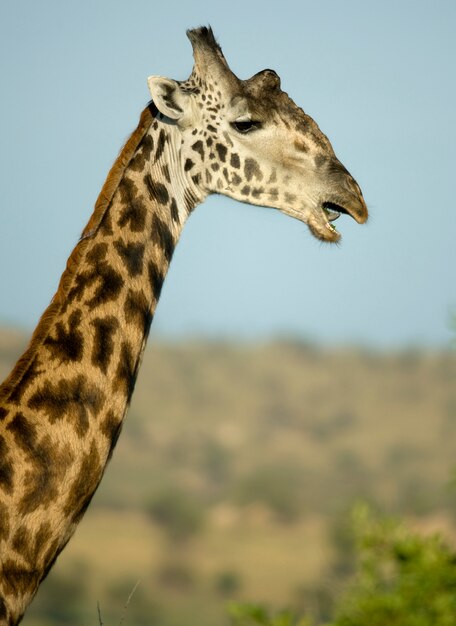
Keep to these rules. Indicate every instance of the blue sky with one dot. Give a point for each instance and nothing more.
(379, 78)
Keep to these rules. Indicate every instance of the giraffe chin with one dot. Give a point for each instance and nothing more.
(320, 224)
(324, 231)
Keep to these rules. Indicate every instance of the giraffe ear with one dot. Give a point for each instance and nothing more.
(168, 97)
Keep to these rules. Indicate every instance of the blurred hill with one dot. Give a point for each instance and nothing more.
(235, 473)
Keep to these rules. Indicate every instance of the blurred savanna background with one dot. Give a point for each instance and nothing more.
(290, 448)
(237, 474)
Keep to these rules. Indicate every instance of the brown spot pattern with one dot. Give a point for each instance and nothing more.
(301, 146)
(24, 432)
(157, 191)
(67, 344)
(138, 310)
(6, 467)
(109, 281)
(132, 255)
(3, 611)
(252, 170)
(143, 153)
(103, 341)
(162, 139)
(48, 466)
(174, 211)
(126, 371)
(162, 237)
(4, 522)
(156, 278)
(134, 211)
(199, 148)
(235, 161)
(28, 377)
(17, 580)
(166, 174)
(221, 151)
(111, 428)
(73, 400)
(188, 165)
(31, 545)
(85, 484)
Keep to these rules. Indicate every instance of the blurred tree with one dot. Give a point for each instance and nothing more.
(178, 512)
(177, 574)
(277, 486)
(228, 583)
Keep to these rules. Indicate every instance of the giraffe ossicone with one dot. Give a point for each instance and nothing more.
(62, 406)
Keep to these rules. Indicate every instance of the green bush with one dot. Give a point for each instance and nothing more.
(256, 615)
(402, 579)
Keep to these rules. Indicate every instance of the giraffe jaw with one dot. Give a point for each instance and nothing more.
(320, 219)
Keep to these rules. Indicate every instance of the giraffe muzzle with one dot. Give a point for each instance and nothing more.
(349, 202)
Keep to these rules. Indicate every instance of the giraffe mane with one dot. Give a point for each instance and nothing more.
(101, 206)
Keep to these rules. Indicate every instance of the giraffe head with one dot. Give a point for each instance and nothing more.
(248, 140)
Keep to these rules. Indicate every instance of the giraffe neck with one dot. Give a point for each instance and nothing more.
(62, 408)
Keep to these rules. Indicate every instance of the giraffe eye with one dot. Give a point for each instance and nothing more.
(245, 126)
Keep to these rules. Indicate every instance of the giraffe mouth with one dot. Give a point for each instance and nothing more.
(320, 218)
(332, 211)
(323, 227)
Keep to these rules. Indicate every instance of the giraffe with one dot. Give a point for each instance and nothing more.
(62, 406)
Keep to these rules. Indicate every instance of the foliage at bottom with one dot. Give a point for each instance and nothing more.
(402, 579)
